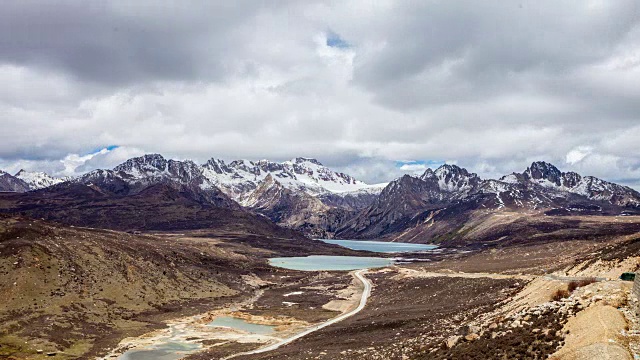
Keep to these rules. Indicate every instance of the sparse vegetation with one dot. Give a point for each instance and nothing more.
(560, 294)
(573, 285)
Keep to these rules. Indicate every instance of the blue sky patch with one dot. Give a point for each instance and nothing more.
(426, 163)
(334, 40)
(97, 150)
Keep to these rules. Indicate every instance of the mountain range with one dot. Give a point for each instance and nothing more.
(304, 195)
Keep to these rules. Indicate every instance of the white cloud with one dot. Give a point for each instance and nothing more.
(577, 154)
(413, 168)
(491, 87)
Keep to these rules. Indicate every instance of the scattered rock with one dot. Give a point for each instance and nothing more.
(472, 337)
(452, 341)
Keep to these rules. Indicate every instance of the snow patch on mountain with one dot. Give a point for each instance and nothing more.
(238, 178)
(38, 180)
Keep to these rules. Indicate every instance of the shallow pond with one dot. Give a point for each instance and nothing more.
(240, 324)
(380, 246)
(327, 262)
(165, 351)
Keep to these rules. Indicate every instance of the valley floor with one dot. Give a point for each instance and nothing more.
(494, 303)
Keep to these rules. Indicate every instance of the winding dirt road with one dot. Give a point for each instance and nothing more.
(363, 302)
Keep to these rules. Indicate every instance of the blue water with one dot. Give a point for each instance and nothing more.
(326, 262)
(170, 350)
(380, 246)
(240, 324)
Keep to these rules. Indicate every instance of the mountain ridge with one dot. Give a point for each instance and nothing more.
(305, 195)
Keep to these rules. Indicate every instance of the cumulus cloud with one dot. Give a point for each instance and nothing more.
(491, 86)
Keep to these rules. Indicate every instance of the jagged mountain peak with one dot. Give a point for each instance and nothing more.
(239, 177)
(541, 170)
(38, 180)
(155, 165)
(302, 160)
(147, 162)
(452, 178)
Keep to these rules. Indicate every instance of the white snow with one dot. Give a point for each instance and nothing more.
(38, 180)
(301, 174)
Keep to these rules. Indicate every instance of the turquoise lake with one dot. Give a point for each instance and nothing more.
(240, 324)
(327, 262)
(380, 246)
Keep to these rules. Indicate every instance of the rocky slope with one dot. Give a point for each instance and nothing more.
(295, 209)
(38, 180)
(10, 183)
(75, 292)
(438, 203)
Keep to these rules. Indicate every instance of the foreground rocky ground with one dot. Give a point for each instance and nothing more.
(496, 304)
(77, 293)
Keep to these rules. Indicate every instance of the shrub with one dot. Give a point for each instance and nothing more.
(580, 283)
(559, 294)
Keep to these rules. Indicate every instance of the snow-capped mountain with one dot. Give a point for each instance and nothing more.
(137, 174)
(304, 194)
(38, 180)
(10, 183)
(238, 178)
(562, 183)
(295, 209)
(409, 201)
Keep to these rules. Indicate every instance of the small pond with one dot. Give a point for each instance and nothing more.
(165, 351)
(240, 324)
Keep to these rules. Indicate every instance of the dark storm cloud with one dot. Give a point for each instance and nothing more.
(123, 42)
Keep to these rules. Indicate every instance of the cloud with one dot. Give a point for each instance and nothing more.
(358, 85)
(578, 154)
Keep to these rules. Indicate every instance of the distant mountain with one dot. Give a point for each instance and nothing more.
(420, 208)
(38, 180)
(240, 177)
(560, 183)
(137, 174)
(10, 183)
(407, 196)
(302, 194)
(295, 209)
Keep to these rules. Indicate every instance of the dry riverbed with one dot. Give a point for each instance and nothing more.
(288, 303)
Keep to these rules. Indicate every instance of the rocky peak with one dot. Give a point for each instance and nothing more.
(571, 179)
(541, 170)
(452, 178)
(428, 174)
(218, 166)
(142, 164)
(10, 183)
(302, 160)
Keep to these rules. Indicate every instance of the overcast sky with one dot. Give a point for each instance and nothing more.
(373, 88)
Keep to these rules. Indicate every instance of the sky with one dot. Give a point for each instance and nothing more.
(371, 88)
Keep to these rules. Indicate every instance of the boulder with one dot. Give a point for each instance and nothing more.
(452, 341)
